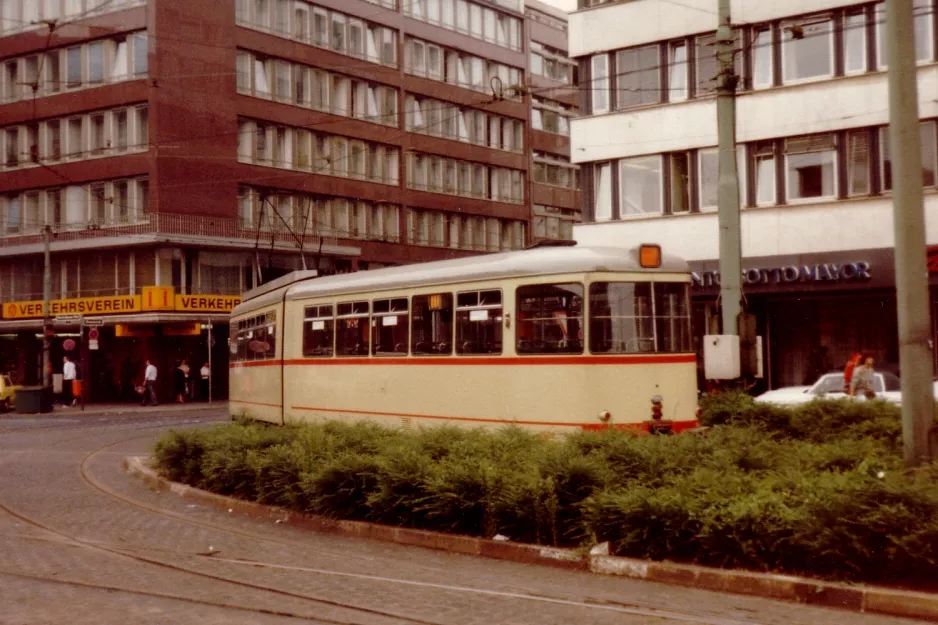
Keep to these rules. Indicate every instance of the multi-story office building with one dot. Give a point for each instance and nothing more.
(180, 152)
(815, 176)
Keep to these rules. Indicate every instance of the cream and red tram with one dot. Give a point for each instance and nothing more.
(547, 338)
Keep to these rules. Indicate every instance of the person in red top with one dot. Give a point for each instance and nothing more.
(852, 364)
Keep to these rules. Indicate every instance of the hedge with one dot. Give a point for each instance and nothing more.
(818, 490)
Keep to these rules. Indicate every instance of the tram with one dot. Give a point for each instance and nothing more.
(549, 338)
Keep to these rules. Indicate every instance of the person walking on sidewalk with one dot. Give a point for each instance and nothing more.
(69, 375)
(149, 383)
(205, 372)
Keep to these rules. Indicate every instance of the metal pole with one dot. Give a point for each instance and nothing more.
(46, 299)
(210, 372)
(915, 361)
(728, 186)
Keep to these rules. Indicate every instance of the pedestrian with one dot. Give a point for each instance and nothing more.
(852, 364)
(149, 384)
(179, 381)
(69, 374)
(203, 384)
(863, 380)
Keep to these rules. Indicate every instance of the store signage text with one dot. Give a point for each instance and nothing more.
(206, 303)
(791, 274)
(80, 306)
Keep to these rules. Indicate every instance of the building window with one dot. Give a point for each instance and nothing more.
(922, 20)
(638, 77)
(855, 43)
(807, 49)
(602, 192)
(600, 80)
(707, 67)
(929, 165)
(858, 163)
(640, 186)
(763, 165)
(677, 71)
(680, 182)
(763, 68)
(810, 167)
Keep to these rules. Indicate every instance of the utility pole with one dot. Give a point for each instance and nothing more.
(46, 305)
(728, 186)
(915, 359)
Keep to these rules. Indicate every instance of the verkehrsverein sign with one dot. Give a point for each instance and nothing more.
(870, 269)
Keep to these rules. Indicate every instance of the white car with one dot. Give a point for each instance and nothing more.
(831, 386)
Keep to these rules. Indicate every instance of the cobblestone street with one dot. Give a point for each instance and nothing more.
(83, 542)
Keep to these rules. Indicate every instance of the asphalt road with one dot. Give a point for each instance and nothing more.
(83, 542)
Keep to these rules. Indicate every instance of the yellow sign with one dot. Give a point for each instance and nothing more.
(154, 298)
(79, 306)
(184, 329)
(157, 298)
(206, 303)
(122, 330)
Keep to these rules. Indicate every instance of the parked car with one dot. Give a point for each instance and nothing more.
(7, 393)
(831, 386)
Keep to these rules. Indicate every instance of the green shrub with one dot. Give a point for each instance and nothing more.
(817, 489)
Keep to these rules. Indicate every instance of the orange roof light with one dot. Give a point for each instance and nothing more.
(649, 256)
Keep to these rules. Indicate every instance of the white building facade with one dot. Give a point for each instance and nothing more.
(814, 166)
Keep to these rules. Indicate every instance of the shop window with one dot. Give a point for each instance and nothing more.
(318, 331)
(620, 318)
(550, 319)
(432, 329)
(807, 49)
(389, 323)
(352, 334)
(810, 167)
(640, 185)
(479, 321)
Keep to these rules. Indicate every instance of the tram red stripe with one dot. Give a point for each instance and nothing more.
(477, 361)
(678, 425)
(254, 403)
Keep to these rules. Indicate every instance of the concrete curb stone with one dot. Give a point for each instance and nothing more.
(909, 604)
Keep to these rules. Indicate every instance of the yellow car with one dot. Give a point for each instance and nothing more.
(7, 393)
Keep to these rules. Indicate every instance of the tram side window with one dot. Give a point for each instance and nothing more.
(672, 317)
(351, 335)
(257, 337)
(389, 322)
(479, 322)
(620, 318)
(318, 331)
(432, 330)
(550, 319)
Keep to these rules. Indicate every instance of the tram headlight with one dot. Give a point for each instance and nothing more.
(604, 416)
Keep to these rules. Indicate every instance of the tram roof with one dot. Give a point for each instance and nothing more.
(541, 261)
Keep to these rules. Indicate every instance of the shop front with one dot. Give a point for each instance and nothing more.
(111, 338)
(813, 310)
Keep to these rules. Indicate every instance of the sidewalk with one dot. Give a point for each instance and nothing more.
(98, 410)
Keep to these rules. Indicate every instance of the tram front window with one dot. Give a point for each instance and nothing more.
(639, 318)
(432, 331)
(550, 319)
(479, 322)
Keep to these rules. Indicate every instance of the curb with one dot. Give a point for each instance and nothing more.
(909, 604)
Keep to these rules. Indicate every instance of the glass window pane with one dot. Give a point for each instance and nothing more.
(858, 163)
(640, 185)
(807, 49)
(763, 72)
(709, 163)
(638, 79)
(432, 324)
(600, 79)
(389, 327)
(318, 330)
(479, 321)
(620, 318)
(352, 336)
(672, 317)
(810, 168)
(550, 319)
(602, 192)
(677, 73)
(855, 43)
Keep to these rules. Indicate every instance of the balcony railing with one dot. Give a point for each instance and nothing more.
(176, 225)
